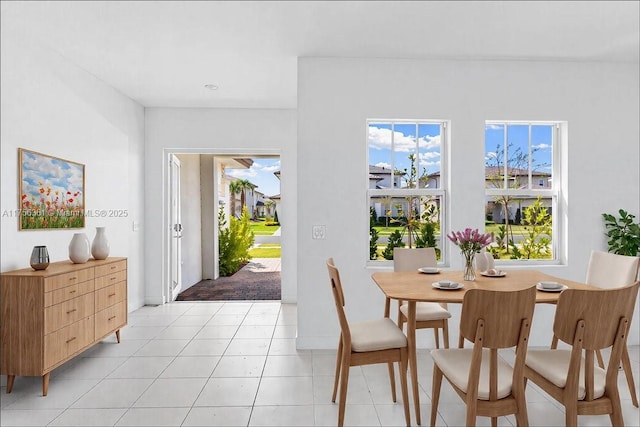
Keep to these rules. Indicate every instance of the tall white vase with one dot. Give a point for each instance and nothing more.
(79, 248)
(100, 245)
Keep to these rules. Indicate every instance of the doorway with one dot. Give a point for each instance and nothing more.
(204, 193)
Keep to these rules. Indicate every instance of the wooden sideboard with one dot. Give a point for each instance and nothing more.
(47, 317)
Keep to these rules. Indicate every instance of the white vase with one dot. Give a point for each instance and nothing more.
(79, 248)
(100, 245)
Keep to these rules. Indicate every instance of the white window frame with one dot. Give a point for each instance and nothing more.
(557, 193)
(440, 192)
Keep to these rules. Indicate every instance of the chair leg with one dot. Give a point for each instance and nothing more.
(494, 421)
(344, 382)
(392, 380)
(472, 411)
(404, 368)
(445, 333)
(554, 342)
(338, 367)
(435, 393)
(626, 365)
(616, 410)
(437, 337)
(522, 418)
(571, 414)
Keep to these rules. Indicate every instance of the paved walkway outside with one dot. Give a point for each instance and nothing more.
(263, 265)
(258, 280)
(274, 238)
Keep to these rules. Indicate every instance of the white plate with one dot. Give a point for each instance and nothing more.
(429, 270)
(500, 273)
(437, 286)
(560, 289)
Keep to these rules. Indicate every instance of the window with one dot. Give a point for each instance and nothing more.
(522, 189)
(406, 191)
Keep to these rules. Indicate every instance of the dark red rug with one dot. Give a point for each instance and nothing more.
(243, 285)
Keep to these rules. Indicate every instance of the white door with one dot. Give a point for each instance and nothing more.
(175, 230)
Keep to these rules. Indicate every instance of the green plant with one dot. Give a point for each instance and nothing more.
(395, 241)
(536, 242)
(234, 242)
(373, 234)
(623, 233)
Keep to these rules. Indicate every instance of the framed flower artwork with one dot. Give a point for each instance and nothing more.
(51, 192)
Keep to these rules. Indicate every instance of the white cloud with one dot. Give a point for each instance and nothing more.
(429, 155)
(383, 165)
(429, 141)
(271, 169)
(242, 173)
(380, 139)
(494, 127)
(430, 164)
(542, 146)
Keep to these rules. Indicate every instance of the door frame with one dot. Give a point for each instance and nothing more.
(166, 203)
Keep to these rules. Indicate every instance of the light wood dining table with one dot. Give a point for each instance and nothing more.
(413, 287)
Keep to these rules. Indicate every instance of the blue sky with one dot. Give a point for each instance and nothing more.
(404, 140)
(429, 143)
(60, 176)
(261, 174)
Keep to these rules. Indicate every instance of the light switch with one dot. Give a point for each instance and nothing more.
(319, 231)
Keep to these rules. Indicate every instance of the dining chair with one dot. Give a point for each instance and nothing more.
(607, 271)
(489, 386)
(365, 343)
(484, 261)
(586, 320)
(428, 314)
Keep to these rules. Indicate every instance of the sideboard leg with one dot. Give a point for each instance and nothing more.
(10, 380)
(118, 335)
(45, 384)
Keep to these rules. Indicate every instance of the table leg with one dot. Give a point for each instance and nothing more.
(413, 363)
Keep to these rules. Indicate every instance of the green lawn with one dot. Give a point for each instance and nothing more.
(265, 251)
(259, 229)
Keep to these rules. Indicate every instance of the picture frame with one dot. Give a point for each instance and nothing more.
(51, 192)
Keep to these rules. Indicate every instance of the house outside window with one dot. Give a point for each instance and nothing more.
(406, 192)
(522, 189)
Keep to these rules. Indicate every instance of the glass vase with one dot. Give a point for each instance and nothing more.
(469, 271)
(39, 258)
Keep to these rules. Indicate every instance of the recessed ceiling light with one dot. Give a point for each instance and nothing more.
(211, 86)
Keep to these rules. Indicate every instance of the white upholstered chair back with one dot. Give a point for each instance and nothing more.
(411, 259)
(608, 270)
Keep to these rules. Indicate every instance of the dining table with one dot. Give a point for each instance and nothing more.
(415, 286)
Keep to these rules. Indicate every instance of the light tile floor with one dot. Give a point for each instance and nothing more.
(235, 364)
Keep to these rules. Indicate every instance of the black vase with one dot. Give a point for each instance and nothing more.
(39, 258)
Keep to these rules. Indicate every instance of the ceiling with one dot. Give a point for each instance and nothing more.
(162, 53)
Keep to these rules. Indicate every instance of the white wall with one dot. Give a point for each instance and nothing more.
(53, 107)
(191, 208)
(209, 211)
(336, 96)
(219, 131)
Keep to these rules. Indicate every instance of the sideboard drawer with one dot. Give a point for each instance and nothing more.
(60, 315)
(66, 341)
(110, 279)
(113, 267)
(62, 280)
(106, 297)
(111, 319)
(67, 293)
